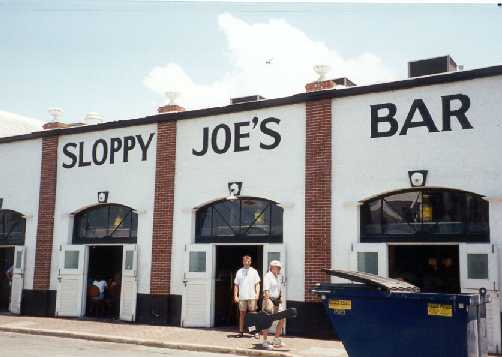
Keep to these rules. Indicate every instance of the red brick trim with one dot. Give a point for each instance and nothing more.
(163, 209)
(317, 194)
(46, 205)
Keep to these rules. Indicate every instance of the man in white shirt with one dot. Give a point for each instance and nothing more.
(246, 290)
(272, 294)
(102, 286)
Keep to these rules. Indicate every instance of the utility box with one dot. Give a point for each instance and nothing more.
(431, 66)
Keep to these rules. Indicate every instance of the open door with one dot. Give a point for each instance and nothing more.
(129, 288)
(478, 269)
(371, 258)
(276, 252)
(197, 304)
(72, 272)
(17, 280)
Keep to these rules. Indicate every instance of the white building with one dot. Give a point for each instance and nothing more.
(398, 179)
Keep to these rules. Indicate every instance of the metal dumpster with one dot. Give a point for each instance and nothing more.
(390, 318)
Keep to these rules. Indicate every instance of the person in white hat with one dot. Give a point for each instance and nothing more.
(272, 293)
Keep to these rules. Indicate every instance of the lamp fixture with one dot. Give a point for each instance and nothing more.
(418, 177)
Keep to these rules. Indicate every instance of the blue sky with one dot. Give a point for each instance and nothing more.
(118, 57)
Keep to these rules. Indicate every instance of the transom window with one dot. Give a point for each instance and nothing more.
(12, 227)
(425, 215)
(106, 223)
(244, 219)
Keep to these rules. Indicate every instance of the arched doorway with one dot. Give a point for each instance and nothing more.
(99, 268)
(225, 231)
(12, 238)
(425, 231)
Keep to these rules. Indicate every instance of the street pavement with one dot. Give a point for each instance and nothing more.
(21, 345)
(211, 338)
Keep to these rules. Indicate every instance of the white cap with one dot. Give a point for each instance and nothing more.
(275, 263)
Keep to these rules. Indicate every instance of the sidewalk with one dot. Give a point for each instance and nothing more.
(210, 340)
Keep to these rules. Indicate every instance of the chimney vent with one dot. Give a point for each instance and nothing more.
(171, 106)
(431, 66)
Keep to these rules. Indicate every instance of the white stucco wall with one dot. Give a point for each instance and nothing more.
(276, 174)
(19, 188)
(129, 183)
(459, 159)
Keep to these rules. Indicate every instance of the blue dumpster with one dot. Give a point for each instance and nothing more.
(390, 318)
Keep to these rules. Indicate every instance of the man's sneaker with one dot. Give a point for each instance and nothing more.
(276, 342)
(267, 345)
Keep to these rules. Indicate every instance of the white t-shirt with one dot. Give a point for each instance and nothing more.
(102, 285)
(247, 279)
(272, 283)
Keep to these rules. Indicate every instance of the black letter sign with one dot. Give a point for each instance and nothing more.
(238, 136)
(205, 142)
(71, 155)
(465, 104)
(389, 118)
(214, 138)
(270, 132)
(426, 118)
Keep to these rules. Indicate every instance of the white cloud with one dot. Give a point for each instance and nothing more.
(250, 46)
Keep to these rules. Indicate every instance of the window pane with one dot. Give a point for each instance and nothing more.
(477, 215)
(12, 225)
(19, 259)
(197, 262)
(129, 259)
(273, 256)
(447, 212)
(402, 213)
(371, 214)
(276, 220)
(255, 217)
(71, 259)
(226, 216)
(204, 222)
(477, 266)
(367, 262)
(110, 221)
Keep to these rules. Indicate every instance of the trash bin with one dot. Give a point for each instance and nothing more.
(390, 318)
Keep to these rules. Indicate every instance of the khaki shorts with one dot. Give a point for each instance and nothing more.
(269, 307)
(247, 305)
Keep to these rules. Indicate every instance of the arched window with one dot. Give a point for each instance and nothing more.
(243, 220)
(429, 215)
(106, 224)
(12, 227)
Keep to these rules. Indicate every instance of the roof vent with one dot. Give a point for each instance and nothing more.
(249, 98)
(431, 66)
(343, 82)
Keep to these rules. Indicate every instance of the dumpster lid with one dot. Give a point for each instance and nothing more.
(374, 280)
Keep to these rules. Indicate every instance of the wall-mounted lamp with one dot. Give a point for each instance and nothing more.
(418, 178)
(234, 188)
(103, 197)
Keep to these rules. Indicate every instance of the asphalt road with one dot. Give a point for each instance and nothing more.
(21, 345)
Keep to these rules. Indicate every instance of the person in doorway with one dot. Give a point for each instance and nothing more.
(102, 285)
(246, 290)
(272, 294)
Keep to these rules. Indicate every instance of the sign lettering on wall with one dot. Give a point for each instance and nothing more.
(385, 124)
(103, 151)
(224, 137)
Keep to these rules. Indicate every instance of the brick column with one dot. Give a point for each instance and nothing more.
(163, 209)
(46, 205)
(317, 189)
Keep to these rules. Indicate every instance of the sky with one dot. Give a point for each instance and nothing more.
(118, 58)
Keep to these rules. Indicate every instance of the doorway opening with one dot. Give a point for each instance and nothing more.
(433, 268)
(104, 280)
(228, 261)
(6, 266)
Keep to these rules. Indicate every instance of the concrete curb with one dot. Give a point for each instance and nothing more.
(148, 343)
